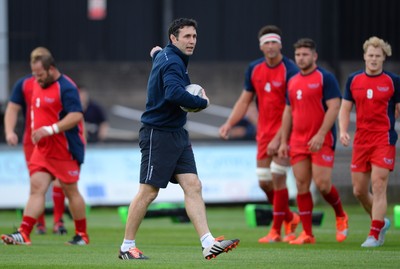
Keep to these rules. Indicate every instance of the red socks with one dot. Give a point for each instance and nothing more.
(270, 196)
(305, 205)
(42, 220)
(376, 227)
(59, 203)
(80, 226)
(334, 200)
(27, 224)
(281, 208)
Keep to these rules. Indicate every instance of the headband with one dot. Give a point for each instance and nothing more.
(270, 37)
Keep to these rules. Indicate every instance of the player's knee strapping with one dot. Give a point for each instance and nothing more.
(278, 169)
(264, 174)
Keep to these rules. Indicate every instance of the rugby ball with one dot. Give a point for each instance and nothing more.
(193, 89)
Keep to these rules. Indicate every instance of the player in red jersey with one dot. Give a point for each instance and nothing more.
(21, 100)
(376, 96)
(266, 80)
(57, 133)
(313, 103)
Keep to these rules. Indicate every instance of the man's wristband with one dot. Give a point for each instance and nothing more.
(53, 129)
(49, 130)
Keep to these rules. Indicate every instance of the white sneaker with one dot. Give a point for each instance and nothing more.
(371, 242)
(219, 246)
(384, 229)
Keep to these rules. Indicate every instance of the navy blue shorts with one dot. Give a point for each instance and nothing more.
(164, 155)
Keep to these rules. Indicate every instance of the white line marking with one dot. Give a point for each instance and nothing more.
(126, 112)
(216, 110)
(135, 114)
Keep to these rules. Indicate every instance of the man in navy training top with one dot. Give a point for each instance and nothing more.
(167, 154)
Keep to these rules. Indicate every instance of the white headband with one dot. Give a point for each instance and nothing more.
(270, 37)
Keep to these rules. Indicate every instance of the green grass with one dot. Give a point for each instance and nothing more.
(172, 245)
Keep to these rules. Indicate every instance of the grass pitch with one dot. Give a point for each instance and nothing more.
(176, 245)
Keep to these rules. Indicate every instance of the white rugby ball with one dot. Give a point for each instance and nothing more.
(193, 89)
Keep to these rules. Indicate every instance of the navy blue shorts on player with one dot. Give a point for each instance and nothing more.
(164, 155)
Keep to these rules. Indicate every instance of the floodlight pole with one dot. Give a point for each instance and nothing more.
(167, 18)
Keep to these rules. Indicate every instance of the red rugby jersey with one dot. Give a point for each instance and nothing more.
(307, 96)
(269, 85)
(51, 104)
(375, 98)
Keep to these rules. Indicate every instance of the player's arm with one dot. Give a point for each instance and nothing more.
(103, 130)
(238, 112)
(285, 130)
(331, 114)
(103, 125)
(273, 146)
(396, 83)
(397, 112)
(68, 122)
(175, 92)
(10, 122)
(344, 121)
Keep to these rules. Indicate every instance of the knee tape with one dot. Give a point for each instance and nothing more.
(264, 174)
(278, 169)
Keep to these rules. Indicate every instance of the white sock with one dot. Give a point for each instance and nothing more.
(127, 244)
(207, 240)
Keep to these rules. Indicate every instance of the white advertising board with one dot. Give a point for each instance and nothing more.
(110, 175)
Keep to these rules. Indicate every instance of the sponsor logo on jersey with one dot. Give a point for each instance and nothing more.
(382, 89)
(313, 85)
(277, 84)
(49, 100)
(353, 165)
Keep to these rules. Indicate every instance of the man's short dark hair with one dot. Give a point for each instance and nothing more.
(269, 29)
(305, 43)
(178, 24)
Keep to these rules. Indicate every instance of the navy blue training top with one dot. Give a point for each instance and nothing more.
(166, 91)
